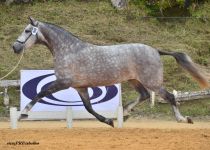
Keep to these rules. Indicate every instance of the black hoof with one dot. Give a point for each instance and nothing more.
(189, 120)
(110, 122)
(23, 116)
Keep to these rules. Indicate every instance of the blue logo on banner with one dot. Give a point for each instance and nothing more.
(29, 90)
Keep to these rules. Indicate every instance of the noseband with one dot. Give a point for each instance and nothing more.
(33, 32)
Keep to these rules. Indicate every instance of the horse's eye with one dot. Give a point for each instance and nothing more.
(27, 31)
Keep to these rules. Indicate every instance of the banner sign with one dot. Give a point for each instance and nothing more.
(105, 99)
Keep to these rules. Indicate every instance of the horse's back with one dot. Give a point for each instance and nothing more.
(105, 65)
(138, 61)
(143, 61)
(140, 55)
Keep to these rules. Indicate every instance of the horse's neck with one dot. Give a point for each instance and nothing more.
(57, 41)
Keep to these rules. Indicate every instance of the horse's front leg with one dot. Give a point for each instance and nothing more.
(52, 88)
(83, 92)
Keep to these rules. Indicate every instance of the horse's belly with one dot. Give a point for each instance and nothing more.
(101, 79)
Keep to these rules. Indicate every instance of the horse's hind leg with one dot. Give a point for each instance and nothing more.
(52, 88)
(144, 94)
(83, 92)
(171, 99)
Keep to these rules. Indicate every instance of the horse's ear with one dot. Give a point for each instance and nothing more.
(33, 21)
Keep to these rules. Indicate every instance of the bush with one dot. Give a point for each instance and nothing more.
(170, 7)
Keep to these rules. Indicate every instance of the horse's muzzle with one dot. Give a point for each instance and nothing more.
(18, 47)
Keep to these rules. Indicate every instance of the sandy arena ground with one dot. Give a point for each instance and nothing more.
(93, 135)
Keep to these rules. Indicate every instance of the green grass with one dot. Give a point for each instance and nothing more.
(99, 23)
(196, 108)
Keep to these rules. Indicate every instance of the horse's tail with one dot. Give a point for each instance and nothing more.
(185, 61)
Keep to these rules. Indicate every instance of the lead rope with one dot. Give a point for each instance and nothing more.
(13, 68)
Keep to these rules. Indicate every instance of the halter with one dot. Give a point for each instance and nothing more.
(34, 32)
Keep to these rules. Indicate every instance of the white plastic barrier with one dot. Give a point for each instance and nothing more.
(13, 117)
(68, 115)
(105, 100)
(120, 117)
(120, 111)
(152, 99)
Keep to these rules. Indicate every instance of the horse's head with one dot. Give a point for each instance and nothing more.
(28, 37)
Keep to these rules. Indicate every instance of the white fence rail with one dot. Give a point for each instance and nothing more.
(9, 83)
(188, 96)
(5, 84)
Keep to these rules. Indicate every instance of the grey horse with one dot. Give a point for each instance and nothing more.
(80, 65)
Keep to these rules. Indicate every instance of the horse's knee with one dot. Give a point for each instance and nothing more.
(171, 98)
(42, 94)
(89, 109)
(167, 96)
(144, 96)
